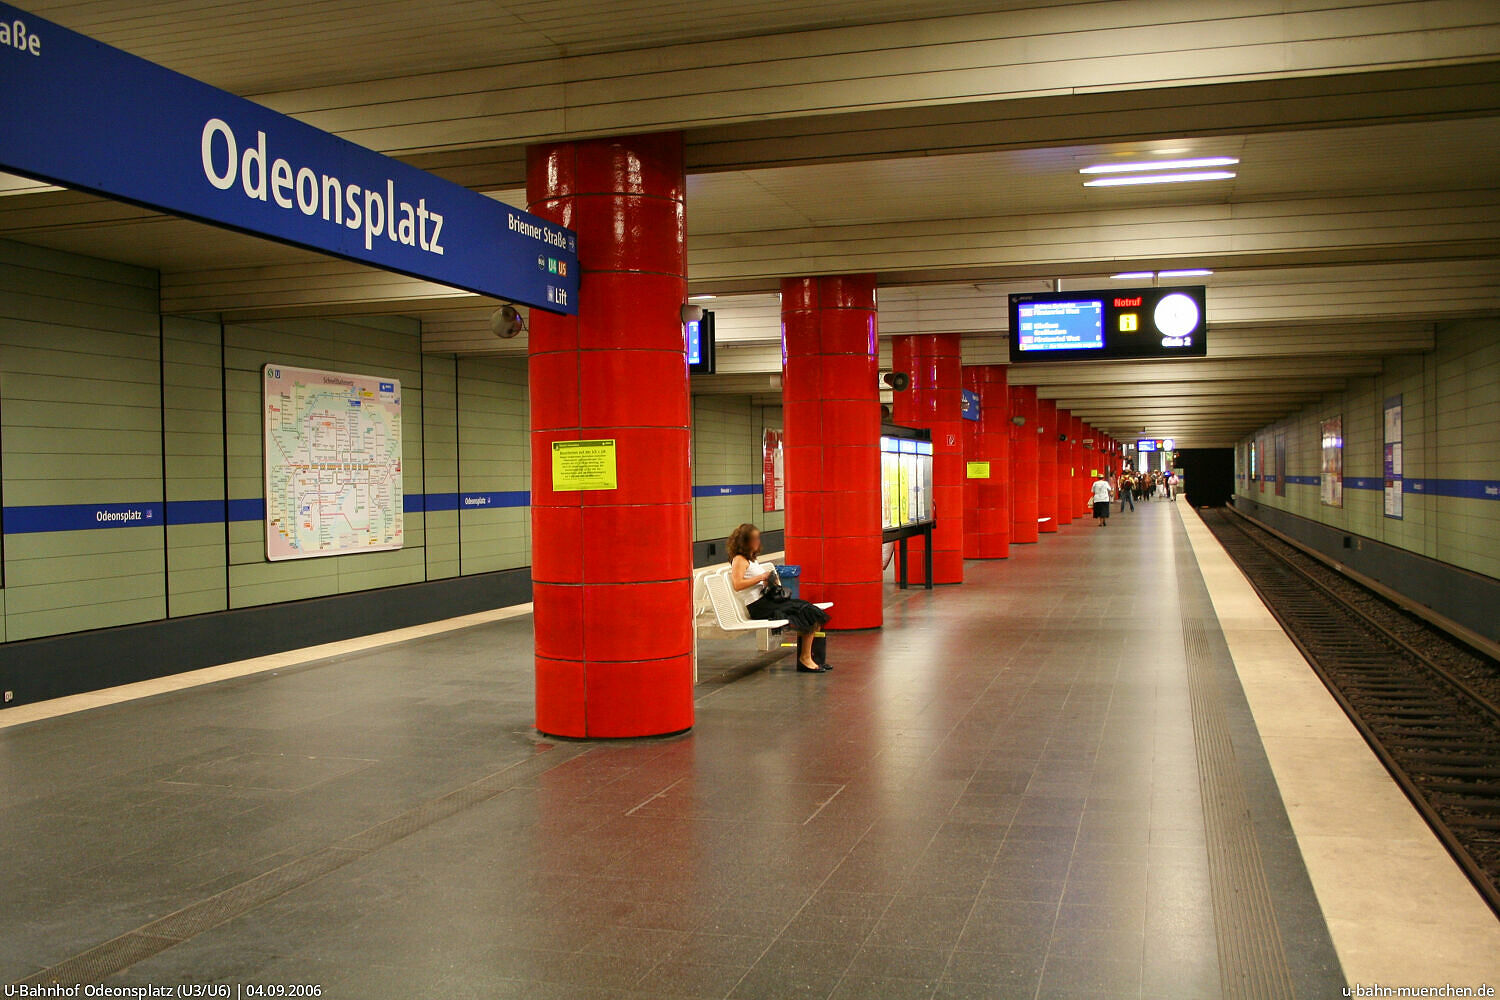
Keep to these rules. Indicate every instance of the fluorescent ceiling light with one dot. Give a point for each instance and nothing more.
(1131, 168)
(1132, 275)
(1189, 273)
(701, 298)
(1202, 175)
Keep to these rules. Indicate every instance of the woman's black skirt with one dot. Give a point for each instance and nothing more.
(803, 616)
(1101, 508)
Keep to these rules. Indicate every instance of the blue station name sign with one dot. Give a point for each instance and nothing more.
(79, 113)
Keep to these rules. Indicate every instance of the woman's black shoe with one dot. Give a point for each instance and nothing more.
(804, 669)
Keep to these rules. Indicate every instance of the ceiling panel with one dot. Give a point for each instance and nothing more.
(255, 46)
(1415, 156)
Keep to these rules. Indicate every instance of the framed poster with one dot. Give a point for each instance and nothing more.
(1392, 472)
(332, 462)
(773, 471)
(1281, 465)
(1331, 471)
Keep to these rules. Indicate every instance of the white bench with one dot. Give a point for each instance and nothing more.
(730, 615)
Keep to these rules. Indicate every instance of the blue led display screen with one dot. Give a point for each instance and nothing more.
(1061, 326)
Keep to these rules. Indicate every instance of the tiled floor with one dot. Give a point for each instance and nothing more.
(995, 796)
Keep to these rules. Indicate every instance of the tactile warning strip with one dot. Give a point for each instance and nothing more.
(120, 953)
(1252, 957)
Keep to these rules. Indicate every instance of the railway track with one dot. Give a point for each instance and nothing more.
(1428, 705)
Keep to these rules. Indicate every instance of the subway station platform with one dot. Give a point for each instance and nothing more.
(1093, 770)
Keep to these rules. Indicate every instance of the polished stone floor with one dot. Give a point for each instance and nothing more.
(998, 795)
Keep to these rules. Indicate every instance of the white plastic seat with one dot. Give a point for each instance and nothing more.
(730, 614)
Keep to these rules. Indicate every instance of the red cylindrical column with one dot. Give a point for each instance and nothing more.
(1066, 440)
(831, 411)
(1086, 464)
(1023, 448)
(1090, 462)
(1046, 465)
(1082, 481)
(1080, 474)
(934, 401)
(987, 501)
(612, 569)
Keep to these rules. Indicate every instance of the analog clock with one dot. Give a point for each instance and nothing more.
(1176, 315)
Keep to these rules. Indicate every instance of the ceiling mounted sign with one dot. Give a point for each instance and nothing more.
(1109, 325)
(84, 115)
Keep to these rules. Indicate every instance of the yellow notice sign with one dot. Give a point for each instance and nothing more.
(979, 470)
(583, 465)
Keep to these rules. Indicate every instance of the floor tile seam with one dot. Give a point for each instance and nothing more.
(477, 788)
(969, 916)
(1056, 915)
(781, 931)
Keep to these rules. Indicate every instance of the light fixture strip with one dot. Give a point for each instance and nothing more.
(1137, 167)
(1201, 175)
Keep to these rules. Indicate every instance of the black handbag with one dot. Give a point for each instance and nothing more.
(773, 588)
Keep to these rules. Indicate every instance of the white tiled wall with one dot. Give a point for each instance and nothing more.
(1451, 415)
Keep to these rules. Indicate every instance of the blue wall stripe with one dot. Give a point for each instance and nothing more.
(87, 516)
(252, 509)
(1464, 489)
(1468, 489)
(475, 501)
(195, 512)
(81, 516)
(734, 490)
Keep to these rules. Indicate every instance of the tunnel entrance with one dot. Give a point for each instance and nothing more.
(1208, 475)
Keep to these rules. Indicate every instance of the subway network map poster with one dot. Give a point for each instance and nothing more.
(333, 463)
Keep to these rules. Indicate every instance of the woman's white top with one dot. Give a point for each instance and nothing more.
(750, 595)
(1101, 491)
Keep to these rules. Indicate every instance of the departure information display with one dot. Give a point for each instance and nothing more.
(1121, 323)
(1073, 325)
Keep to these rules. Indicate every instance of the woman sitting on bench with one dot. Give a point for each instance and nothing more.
(749, 579)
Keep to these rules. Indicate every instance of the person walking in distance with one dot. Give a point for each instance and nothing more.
(1101, 495)
(1126, 491)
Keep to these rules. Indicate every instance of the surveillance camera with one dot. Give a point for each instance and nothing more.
(507, 322)
(691, 313)
(1019, 421)
(899, 381)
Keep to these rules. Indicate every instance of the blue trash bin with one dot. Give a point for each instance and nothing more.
(791, 579)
